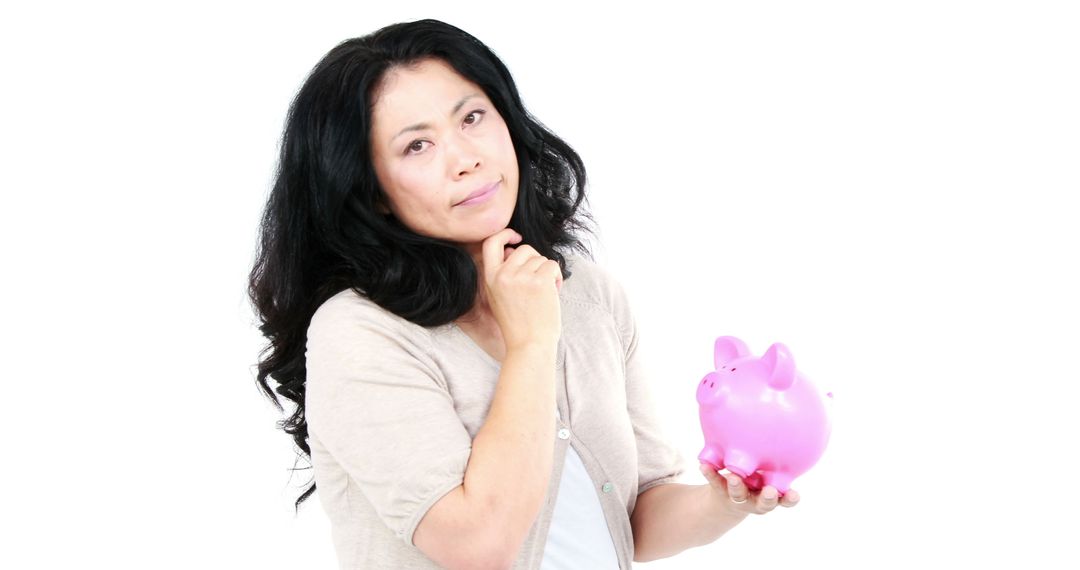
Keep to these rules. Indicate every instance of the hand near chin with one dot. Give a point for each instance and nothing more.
(522, 288)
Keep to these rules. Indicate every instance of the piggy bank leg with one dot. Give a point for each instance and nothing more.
(780, 481)
(711, 456)
(740, 463)
(755, 482)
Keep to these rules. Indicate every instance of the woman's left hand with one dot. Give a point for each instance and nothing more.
(731, 492)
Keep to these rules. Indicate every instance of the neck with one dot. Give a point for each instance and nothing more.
(481, 310)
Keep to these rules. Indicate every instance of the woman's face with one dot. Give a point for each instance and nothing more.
(435, 139)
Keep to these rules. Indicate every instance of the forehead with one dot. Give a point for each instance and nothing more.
(422, 92)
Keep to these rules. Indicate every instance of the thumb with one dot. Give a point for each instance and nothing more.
(713, 477)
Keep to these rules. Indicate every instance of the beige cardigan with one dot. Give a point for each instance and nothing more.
(392, 408)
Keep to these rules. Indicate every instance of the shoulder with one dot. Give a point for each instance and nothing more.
(593, 297)
(591, 283)
(347, 306)
(349, 314)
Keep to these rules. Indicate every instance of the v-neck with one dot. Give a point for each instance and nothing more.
(491, 359)
(483, 353)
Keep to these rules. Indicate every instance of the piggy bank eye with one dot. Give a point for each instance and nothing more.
(733, 370)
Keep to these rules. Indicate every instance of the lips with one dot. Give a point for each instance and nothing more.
(479, 194)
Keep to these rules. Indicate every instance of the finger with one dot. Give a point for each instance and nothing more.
(790, 499)
(768, 498)
(556, 270)
(712, 476)
(494, 253)
(736, 488)
(533, 264)
(521, 255)
(551, 269)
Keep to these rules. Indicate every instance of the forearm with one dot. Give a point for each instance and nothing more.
(510, 466)
(670, 518)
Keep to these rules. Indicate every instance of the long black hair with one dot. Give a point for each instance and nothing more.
(322, 233)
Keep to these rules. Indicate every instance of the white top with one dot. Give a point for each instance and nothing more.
(578, 536)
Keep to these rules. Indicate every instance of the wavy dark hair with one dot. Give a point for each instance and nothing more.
(322, 233)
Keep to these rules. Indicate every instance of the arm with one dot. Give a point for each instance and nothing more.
(668, 519)
(379, 404)
(483, 522)
(674, 517)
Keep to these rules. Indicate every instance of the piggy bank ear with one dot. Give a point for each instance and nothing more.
(779, 367)
(727, 349)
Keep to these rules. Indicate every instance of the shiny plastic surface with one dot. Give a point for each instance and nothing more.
(762, 419)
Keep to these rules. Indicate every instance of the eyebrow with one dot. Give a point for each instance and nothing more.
(422, 126)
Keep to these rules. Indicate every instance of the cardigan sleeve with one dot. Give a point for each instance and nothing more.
(659, 460)
(381, 407)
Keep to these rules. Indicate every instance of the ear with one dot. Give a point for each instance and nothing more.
(727, 349)
(779, 366)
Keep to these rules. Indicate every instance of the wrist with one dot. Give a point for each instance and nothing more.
(533, 347)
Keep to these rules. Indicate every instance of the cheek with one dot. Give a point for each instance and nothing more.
(507, 143)
(501, 148)
(419, 191)
(412, 182)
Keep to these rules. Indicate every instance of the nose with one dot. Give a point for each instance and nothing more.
(464, 156)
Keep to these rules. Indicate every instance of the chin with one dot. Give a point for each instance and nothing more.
(488, 225)
(486, 231)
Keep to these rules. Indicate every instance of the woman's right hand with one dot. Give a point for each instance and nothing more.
(522, 290)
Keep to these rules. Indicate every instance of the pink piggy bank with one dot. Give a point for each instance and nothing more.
(761, 418)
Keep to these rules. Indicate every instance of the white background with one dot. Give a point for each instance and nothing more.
(887, 188)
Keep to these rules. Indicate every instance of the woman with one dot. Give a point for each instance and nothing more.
(468, 389)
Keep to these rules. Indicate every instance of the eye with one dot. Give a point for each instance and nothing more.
(415, 147)
(477, 113)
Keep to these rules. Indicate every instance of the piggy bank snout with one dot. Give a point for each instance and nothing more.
(709, 388)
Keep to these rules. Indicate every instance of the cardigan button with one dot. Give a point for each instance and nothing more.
(564, 433)
(608, 487)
